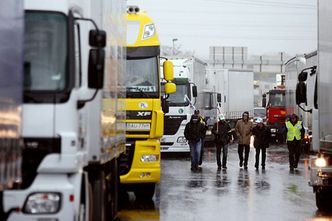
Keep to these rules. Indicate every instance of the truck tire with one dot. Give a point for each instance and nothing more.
(323, 198)
(112, 189)
(98, 197)
(145, 191)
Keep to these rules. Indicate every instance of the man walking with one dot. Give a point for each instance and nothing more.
(261, 142)
(203, 121)
(221, 131)
(295, 133)
(194, 132)
(243, 129)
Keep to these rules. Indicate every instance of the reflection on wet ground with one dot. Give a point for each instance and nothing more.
(232, 194)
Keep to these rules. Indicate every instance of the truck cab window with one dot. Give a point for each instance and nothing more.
(45, 51)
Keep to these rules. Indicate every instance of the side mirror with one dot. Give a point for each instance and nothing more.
(219, 98)
(164, 105)
(194, 88)
(301, 93)
(168, 70)
(97, 38)
(96, 68)
(303, 76)
(264, 100)
(170, 88)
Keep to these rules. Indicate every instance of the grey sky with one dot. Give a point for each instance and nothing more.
(264, 26)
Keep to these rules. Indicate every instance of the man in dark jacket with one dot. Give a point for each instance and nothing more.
(295, 133)
(194, 132)
(203, 121)
(221, 131)
(261, 142)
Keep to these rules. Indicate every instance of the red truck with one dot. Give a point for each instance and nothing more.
(276, 112)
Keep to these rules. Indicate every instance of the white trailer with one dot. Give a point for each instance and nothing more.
(11, 78)
(70, 123)
(181, 104)
(236, 89)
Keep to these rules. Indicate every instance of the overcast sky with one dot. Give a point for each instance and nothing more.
(264, 26)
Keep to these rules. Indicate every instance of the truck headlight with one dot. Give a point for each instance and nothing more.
(42, 203)
(320, 162)
(181, 140)
(149, 158)
(149, 31)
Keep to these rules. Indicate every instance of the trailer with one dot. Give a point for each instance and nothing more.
(234, 92)
(72, 119)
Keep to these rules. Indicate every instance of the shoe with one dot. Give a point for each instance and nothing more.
(291, 169)
(224, 168)
(219, 167)
(240, 164)
(295, 166)
(245, 167)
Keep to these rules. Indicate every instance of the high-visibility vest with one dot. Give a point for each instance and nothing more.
(293, 130)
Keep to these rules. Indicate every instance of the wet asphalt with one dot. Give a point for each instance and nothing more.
(233, 194)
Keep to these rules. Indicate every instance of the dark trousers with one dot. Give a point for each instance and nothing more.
(246, 149)
(258, 150)
(294, 148)
(224, 148)
(202, 152)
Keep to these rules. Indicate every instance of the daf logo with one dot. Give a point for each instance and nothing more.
(143, 105)
(143, 114)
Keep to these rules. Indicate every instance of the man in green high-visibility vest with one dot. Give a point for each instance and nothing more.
(295, 133)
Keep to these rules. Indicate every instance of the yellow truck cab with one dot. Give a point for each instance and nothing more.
(140, 165)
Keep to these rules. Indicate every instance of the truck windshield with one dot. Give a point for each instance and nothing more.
(45, 51)
(180, 97)
(277, 100)
(141, 77)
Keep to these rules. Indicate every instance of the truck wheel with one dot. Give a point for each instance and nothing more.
(98, 197)
(145, 191)
(112, 189)
(323, 200)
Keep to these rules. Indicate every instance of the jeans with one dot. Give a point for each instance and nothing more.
(224, 154)
(246, 154)
(195, 151)
(258, 149)
(294, 148)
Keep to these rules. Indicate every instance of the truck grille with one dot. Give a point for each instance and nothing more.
(172, 124)
(126, 159)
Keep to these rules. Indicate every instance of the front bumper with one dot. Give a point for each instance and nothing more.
(43, 183)
(143, 172)
(319, 177)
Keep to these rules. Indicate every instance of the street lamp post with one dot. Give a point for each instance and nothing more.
(174, 40)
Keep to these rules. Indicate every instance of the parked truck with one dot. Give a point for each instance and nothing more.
(71, 116)
(140, 165)
(275, 103)
(320, 165)
(181, 105)
(307, 113)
